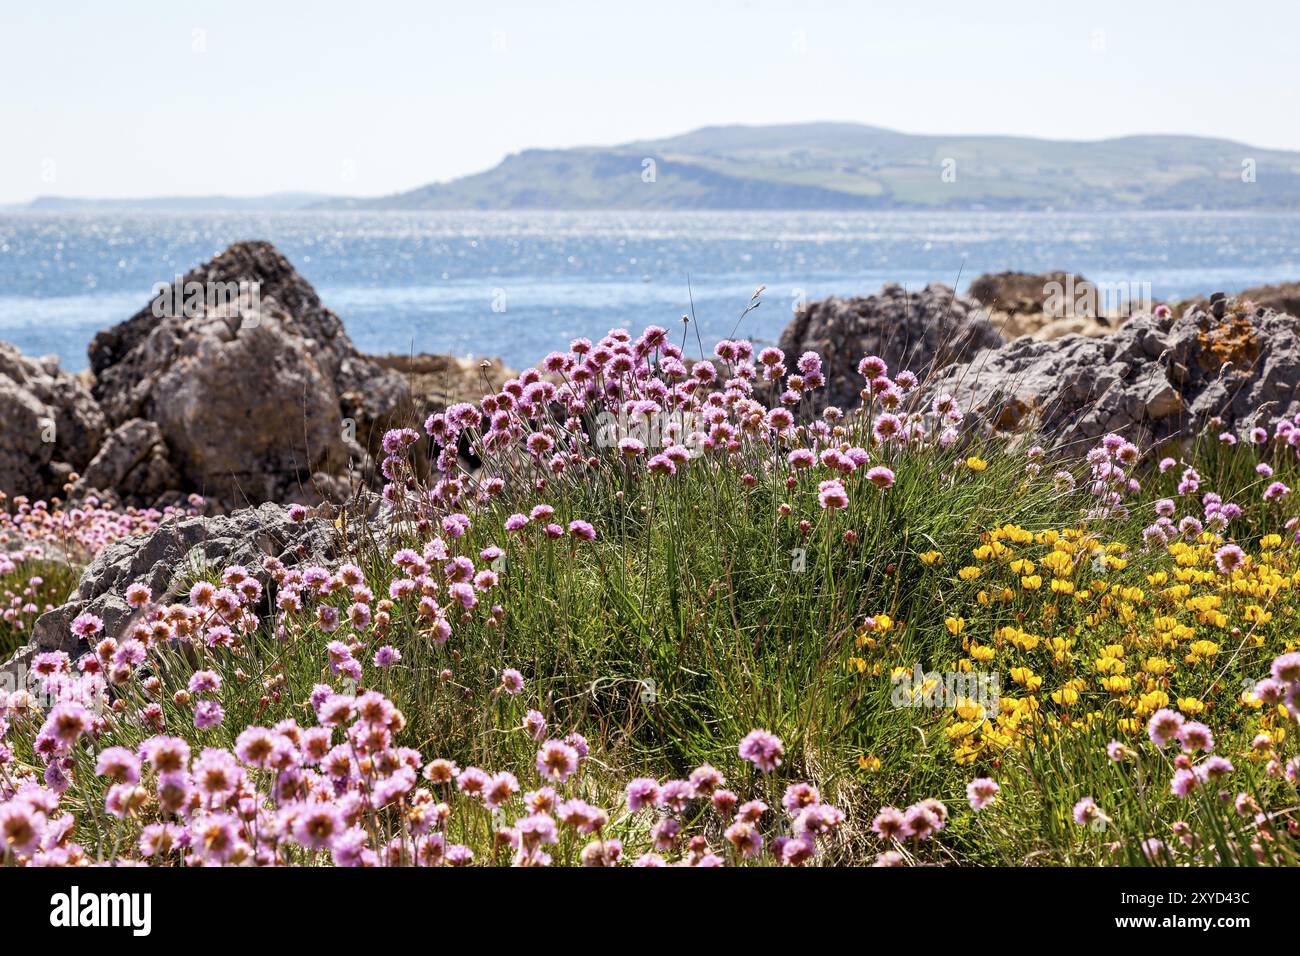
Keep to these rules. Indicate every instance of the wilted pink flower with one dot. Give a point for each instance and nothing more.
(535, 724)
(1118, 752)
(1154, 849)
(1087, 812)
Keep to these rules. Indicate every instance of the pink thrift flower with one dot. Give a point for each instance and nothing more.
(981, 792)
(831, 495)
(556, 761)
(880, 476)
(763, 749)
(582, 531)
(1164, 726)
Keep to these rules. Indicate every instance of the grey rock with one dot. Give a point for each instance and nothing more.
(165, 561)
(1154, 380)
(50, 424)
(257, 399)
(1162, 400)
(919, 331)
(248, 413)
(132, 464)
(1218, 304)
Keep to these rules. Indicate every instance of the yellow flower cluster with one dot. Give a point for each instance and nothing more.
(1078, 629)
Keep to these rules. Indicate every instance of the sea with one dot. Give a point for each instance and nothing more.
(520, 284)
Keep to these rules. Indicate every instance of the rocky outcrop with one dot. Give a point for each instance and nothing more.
(1283, 297)
(167, 561)
(50, 425)
(1047, 305)
(1153, 380)
(236, 383)
(920, 331)
(1020, 293)
(256, 390)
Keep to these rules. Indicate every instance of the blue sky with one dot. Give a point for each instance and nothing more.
(365, 98)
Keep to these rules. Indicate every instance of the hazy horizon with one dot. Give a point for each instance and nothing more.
(290, 192)
(244, 99)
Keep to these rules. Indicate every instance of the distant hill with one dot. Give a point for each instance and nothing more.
(830, 166)
(848, 166)
(269, 203)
